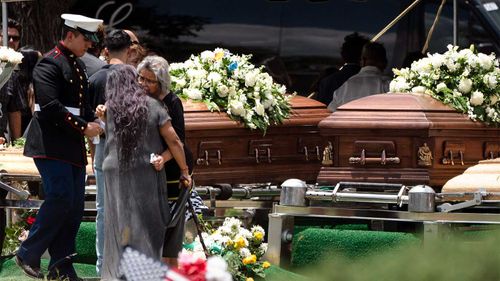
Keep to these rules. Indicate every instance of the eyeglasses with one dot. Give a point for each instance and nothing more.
(14, 38)
(145, 80)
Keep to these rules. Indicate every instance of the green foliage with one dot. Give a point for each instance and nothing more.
(19, 143)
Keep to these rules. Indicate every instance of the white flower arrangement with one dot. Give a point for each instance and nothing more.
(8, 60)
(466, 80)
(230, 83)
(241, 248)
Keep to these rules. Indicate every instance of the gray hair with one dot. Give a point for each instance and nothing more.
(159, 66)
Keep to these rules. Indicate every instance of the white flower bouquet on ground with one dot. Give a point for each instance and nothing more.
(463, 79)
(241, 248)
(230, 83)
(8, 60)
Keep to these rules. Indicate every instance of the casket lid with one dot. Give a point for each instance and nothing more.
(305, 111)
(398, 111)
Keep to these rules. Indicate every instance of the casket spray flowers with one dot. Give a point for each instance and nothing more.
(241, 248)
(230, 83)
(464, 79)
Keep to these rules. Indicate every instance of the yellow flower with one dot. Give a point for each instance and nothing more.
(249, 279)
(258, 235)
(229, 243)
(250, 259)
(240, 243)
(219, 55)
(266, 264)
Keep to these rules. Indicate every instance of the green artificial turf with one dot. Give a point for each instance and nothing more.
(11, 272)
(310, 245)
(85, 244)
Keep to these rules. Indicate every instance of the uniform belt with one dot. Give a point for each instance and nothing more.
(72, 110)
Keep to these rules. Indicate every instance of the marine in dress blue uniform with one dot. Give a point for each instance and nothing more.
(55, 140)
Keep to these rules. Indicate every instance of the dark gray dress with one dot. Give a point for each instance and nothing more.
(136, 210)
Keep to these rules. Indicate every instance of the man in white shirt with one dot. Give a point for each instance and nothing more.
(368, 81)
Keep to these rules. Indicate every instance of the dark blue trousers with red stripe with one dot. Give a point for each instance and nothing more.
(59, 217)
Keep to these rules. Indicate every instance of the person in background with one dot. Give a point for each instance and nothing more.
(55, 141)
(118, 48)
(91, 58)
(13, 33)
(24, 78)
(351, 54)
(136, 127)
(11, 103)
(154, 77)
(370, 79)
(137, 52)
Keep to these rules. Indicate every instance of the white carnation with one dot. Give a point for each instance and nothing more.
(222, 90)
(465, 85)
(477, 98)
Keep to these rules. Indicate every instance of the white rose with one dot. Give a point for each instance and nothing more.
(399, 85)
(485, 61)
(418, 89)
(441, 86)
(490, 81)
(194, 94)
(237, 108)
(476, 98)
(222, 90)
(207, 55)
(214, 77)
(180, 83)
(437, 60)
(250, 79)
(465, 85)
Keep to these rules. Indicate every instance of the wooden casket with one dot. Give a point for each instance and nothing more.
(403, 138)
(226, 152)
(12, 161)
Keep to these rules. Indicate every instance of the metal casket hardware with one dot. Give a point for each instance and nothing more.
(382, 160)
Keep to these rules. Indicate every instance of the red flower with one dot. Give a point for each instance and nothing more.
(30, 220)
(194, 268)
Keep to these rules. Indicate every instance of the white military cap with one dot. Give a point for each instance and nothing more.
(85, 25)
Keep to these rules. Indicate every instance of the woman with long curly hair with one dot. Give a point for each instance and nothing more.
(136, 212)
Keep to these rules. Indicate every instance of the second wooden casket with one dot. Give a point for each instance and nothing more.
(226, 152)
(403, 138)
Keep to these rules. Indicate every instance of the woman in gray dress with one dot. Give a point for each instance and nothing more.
(136, 212)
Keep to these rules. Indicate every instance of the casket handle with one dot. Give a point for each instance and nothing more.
(382, 160)
(206, 158)
(306, 153)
